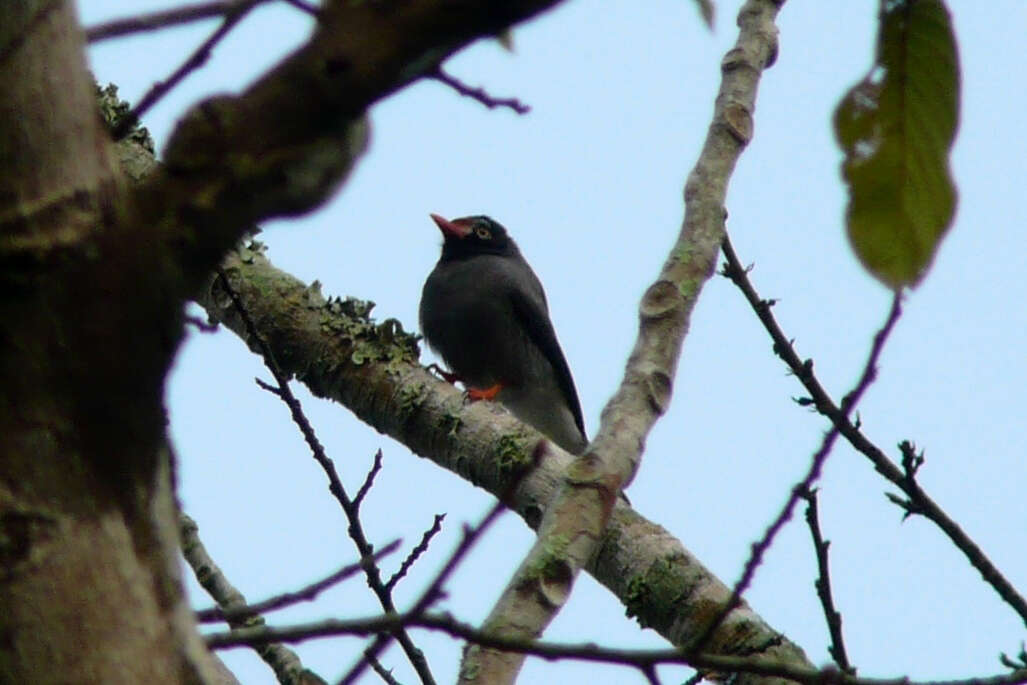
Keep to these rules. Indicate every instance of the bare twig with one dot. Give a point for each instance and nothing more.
(1016, 663)
(383, 673)
(638, 658)
(479, 94)
(283, 661)
(416, 552)
(471, 534)
(454, 435)
(823, 586)
(196, 60)
(355, 529)
(733, 270)
(285, 599)
(162, 19)
(365, 487)
(918, 502)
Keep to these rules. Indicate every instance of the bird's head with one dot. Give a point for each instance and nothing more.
(470, 236)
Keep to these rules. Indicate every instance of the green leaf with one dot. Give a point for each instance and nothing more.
(896, 128)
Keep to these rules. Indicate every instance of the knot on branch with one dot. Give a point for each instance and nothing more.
(658, 387)
(660, 300)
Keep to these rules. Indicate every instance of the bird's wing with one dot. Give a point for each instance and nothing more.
(539, 328)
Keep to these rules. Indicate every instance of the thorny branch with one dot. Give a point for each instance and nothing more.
(734, 270)
(417, 551)
(479, 94)
(918, 501)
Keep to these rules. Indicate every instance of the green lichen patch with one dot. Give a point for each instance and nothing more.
(513, 454)
(654, 596)
(371, 341)
(114, 111)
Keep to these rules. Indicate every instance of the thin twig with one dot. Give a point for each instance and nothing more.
(431, 594)
(640, 658)
(479, 94)
(162, 19)
(283, 661)
(365, 487)
(823, 586)
(918, 502)
(417, 551)
(355, 528)
(305, 594)
(196, 60)
(734, 271)
(383, 673)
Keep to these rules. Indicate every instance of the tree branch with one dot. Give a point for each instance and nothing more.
(193, 62)
(283, 661)
(372, 369)
(817, 462)
(574, 522)
(479, 94)
(760, 666)
(304, 594)
(918, 502)
(284, 145)
(165, 19)
(433, 592)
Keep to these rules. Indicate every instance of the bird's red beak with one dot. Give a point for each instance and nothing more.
(457, 229)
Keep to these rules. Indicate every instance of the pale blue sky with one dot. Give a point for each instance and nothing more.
(589, 183)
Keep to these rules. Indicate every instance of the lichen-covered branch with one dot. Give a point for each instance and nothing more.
(340, 353)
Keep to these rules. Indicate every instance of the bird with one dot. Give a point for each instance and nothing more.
(484, 312)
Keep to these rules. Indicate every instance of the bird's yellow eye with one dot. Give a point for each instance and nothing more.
(482, 233)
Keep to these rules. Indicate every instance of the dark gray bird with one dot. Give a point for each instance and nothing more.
(484, 312)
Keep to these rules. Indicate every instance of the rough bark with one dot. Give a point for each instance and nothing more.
(89, 576)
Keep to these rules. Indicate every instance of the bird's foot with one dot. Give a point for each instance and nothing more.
(487, 394)
(450, 378)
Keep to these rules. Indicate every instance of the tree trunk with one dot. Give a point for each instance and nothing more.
(89, 582)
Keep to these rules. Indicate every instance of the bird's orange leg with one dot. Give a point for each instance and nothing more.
(450, 378)
(487, 394)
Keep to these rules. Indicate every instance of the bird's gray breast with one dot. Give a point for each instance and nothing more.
(467, 317)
